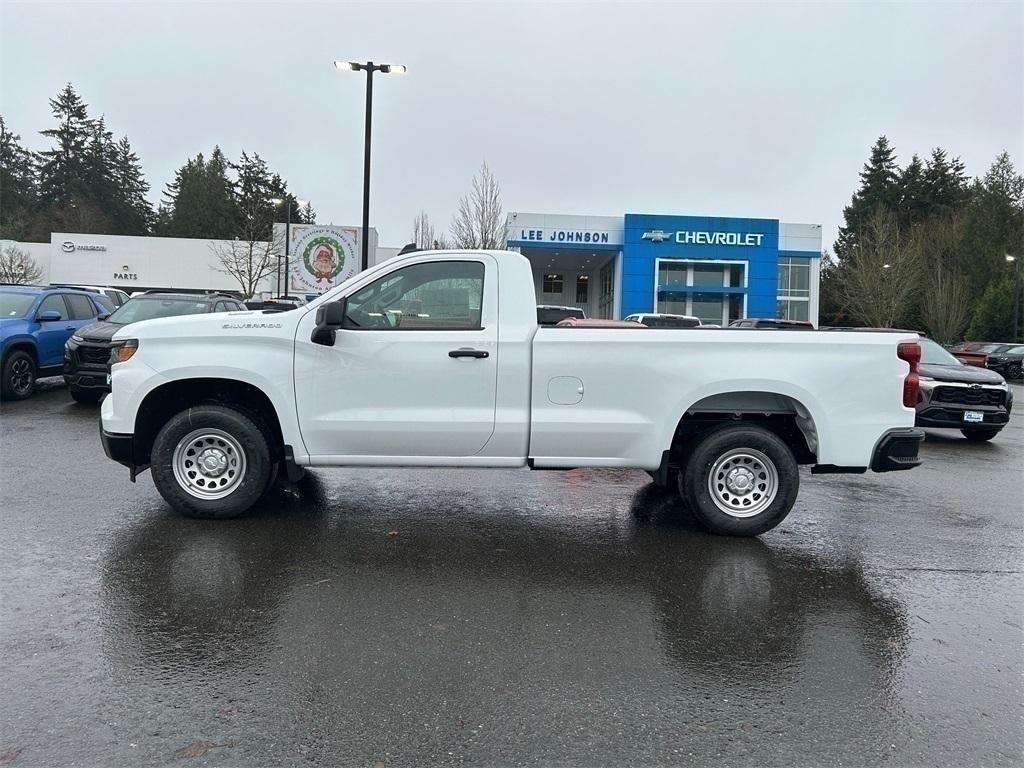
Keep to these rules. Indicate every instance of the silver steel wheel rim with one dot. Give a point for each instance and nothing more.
(208, 463)
(21, 376)
(743, 482)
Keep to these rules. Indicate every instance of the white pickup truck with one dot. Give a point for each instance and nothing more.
(436, 359)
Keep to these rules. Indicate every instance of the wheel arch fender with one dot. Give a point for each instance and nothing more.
(252, 392)
(754, 396)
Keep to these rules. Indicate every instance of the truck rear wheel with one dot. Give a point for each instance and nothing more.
(740, 480)
(211, 461)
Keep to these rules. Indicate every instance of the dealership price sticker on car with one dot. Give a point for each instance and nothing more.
(977, 416)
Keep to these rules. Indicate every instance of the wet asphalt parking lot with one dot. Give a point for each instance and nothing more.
(428, 617)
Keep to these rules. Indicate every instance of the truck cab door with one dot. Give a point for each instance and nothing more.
(412, 371)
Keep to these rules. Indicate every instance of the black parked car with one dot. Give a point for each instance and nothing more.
(974, 400)
(1007, 359)
(87, 352)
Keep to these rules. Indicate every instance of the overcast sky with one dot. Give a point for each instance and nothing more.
(736, 110)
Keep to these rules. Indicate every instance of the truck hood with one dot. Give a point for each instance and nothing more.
(967, 374)
(253, 322)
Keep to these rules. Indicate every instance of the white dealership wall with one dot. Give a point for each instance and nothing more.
(134, 263)
(137, 263)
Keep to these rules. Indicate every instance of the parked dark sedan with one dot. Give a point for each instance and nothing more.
(974, 400)
(1007, 359)
(87, 353)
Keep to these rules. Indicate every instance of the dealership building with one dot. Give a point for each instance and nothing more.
(716, 268)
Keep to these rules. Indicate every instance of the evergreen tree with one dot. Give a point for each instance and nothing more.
(62, 168)
(911, 206)
(879, 189)
(134, 215)
(945, 186)
(255, 188)
(18, 189)
(200, 202)
(994, 223)
(307, 214)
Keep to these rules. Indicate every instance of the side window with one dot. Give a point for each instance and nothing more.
(433, 296)
(81, 306)
(54, 303)
(220, 306)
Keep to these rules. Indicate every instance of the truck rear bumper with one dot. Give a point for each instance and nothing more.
(897, 450)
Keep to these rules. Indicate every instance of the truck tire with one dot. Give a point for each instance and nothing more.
(740, 480)
(211, 461)
(980, 435)
(19, 376)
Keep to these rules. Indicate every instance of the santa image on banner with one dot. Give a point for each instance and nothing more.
(324, 263)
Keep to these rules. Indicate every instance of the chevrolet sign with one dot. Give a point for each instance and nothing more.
(705, 238)
(719, 238)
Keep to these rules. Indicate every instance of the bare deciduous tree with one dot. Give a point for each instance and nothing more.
(423, 231)
(946, 296)
(18, 267)
(479, 222)
(881, 274)
(249, 259)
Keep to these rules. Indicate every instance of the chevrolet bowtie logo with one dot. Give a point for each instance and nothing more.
(656, 236)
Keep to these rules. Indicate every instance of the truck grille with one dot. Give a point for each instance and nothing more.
(969, 396)
(94, 355)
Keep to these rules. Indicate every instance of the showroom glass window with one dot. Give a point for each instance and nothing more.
(713, 291)
(433, 296)
(553, 284)
(794, 290)
(582, 289)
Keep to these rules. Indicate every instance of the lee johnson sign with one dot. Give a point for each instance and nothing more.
(563, 236)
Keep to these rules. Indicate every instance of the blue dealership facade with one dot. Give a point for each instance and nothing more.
(717, 268)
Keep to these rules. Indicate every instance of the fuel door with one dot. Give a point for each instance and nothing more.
(565, 390)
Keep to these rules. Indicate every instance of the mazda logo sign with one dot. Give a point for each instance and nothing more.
(67, 246)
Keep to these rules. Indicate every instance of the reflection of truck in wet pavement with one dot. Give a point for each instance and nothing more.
(216, 404)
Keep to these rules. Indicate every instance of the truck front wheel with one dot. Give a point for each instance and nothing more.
(740, 480)
(211, 461)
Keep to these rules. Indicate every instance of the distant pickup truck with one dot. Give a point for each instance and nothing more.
(436, 359)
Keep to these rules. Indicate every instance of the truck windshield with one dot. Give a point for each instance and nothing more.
(143, 308)
(933, 354)
(15, 304)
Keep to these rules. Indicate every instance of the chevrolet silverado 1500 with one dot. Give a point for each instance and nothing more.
(436, 359)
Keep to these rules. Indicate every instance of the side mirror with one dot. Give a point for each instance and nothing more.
(49, 316)
(329, 318)
(102, 316)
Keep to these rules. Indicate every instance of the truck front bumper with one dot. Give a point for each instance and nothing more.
(121, 448)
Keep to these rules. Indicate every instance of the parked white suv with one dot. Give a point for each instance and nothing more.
(436, 359)
(116, 295)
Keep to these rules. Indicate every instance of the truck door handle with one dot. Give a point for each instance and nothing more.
(478, 353)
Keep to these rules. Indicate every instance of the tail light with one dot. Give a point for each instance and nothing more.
(911, 352)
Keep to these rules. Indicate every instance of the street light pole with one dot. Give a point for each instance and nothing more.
(287, 240)
(369, 68)
(1018, 336)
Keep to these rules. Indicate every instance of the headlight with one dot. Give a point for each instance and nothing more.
(123, 351)
(76, 338)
